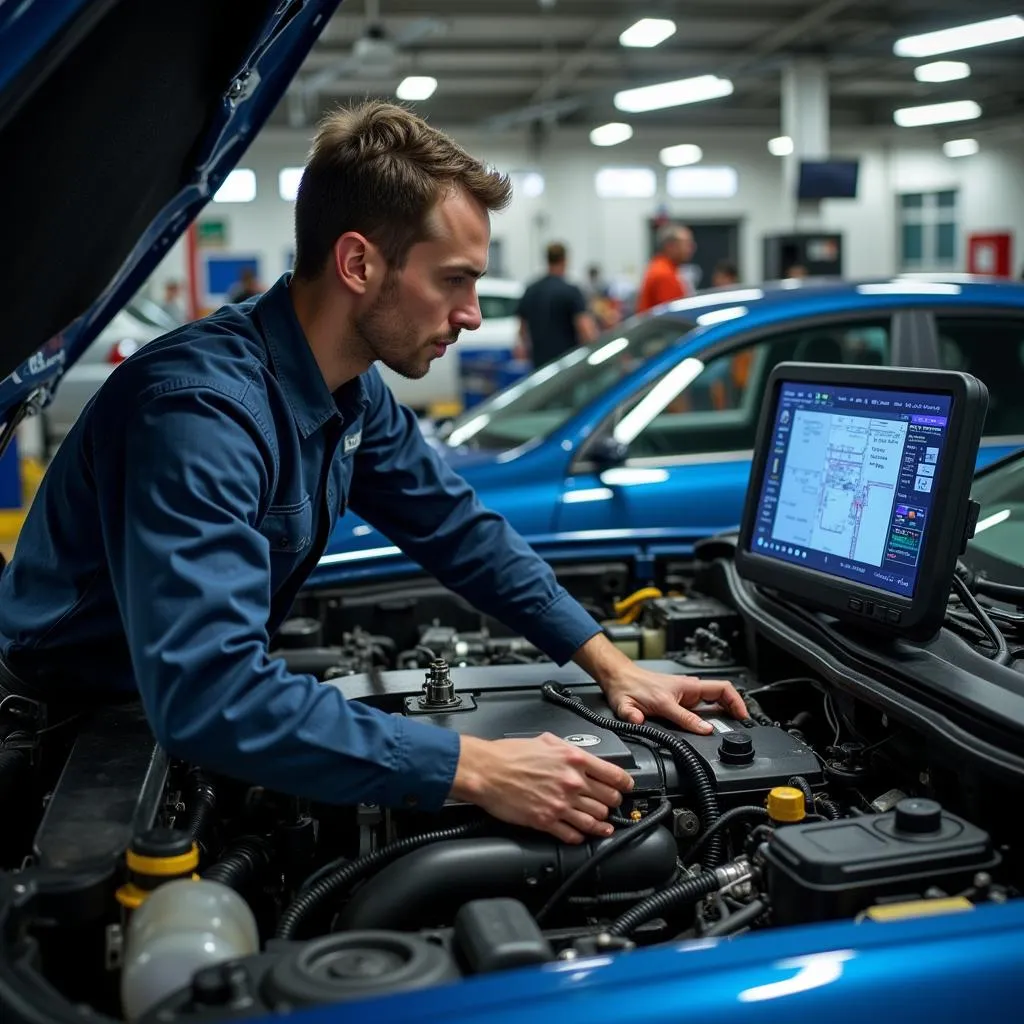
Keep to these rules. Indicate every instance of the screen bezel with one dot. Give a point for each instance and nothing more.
(920, 615)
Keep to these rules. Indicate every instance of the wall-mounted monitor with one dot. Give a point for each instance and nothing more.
(828, 179)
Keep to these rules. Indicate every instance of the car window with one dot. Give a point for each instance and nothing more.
(992, 349)
(998, 543)
(717, 410)
(493, 307)
(540, 403)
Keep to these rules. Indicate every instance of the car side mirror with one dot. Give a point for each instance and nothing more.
(607, 452)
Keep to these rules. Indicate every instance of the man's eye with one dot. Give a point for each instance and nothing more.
(456, 280)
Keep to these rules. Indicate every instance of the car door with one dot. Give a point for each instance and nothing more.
(687, 441)
(991, 347)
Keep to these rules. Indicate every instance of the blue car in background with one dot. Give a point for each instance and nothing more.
(646, 434)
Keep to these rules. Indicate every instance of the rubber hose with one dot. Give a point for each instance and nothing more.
(683, 754)
(621, 838)
(829, 808)
(605, 898)
(737, 919)
(688, 891)
(245, 859)
(725, 820)
(310, 900)
(799, 782)
(204, 802)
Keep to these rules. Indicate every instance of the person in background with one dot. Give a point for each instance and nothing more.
(604, 309)
(662, 281)
(173, 303)
(725, 274)
(552, 313)
(796, 272)
(247, 287)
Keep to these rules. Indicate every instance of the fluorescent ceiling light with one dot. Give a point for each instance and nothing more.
(981, 33)
(239, 187)
(611, 134)
(680, 156)
(288, 179)
(780, 146)
(625, 183)
(416, 87)
(960, 147)
(529, 184)
(702, 182)
(673, 94)
(648, 32)
(936, 113)
(942, 71)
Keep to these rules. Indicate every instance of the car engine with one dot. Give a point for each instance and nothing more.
(203, 898)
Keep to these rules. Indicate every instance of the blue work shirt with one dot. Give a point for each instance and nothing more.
(184, 511)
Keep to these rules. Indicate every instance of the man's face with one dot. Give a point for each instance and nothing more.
(420, 309)
(682, 248)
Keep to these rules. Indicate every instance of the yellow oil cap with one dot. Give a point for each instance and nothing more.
(786, 803)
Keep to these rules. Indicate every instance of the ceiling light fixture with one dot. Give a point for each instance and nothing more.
(980, 33)
(960, 147)
(680, 156)
(942, 71)
(673, 94)
(782, 145)
(648, 32)
(936, 113)
(416, 87)
(611, 134)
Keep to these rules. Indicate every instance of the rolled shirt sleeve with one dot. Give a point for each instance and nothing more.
(190, 571)
(402, 487)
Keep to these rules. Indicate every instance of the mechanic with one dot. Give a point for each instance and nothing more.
(184, 511)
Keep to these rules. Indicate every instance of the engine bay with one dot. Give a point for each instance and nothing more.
(819, 807)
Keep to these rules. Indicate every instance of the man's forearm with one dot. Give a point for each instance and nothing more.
(602, 660)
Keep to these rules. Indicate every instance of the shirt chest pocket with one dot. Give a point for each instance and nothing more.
(289, 528)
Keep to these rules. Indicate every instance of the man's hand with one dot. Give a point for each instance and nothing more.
(636, 694)
(642, 694)
(543, 783)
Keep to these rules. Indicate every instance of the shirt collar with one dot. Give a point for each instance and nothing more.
(297, 371)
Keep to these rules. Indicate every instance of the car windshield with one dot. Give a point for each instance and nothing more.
(998, 545)
(542, 402)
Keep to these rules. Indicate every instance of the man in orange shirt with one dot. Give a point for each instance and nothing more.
(662, 282)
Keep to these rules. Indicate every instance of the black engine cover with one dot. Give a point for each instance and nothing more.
(775, 758)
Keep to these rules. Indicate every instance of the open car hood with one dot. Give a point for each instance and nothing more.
(120, 119)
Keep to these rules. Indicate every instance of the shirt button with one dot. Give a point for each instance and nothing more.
(411, 800)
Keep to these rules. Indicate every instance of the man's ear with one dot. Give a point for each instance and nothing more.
(357, 263)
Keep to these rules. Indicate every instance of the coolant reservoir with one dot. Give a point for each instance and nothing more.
(181, 928)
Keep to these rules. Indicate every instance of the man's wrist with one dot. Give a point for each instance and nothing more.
(471, 772)
(602, 660)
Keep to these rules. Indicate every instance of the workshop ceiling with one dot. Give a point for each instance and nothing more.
(500, 64)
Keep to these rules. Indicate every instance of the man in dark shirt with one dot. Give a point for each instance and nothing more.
(553, 315)
(191, 500)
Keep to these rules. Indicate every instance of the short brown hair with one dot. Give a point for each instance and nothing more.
(555, 253)
(378, 169)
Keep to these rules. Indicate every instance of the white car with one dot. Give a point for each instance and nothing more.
(467, 369)
(139, 322)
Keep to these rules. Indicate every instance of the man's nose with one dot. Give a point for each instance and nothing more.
(467, 317)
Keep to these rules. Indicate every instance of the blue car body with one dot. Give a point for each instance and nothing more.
(568, 507)
(939, 969)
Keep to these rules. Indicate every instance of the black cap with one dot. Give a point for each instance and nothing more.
(736, 748)
(162, 842)
(918, 816)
